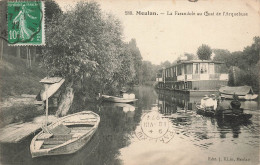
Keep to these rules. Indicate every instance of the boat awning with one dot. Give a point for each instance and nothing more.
(51, 86)
(51, 80)
(239, 90)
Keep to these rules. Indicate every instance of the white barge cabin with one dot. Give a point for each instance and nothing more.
(196, 77)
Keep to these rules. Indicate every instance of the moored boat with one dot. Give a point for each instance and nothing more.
(243, 92)
(227, 114)
(118, 99)
(65, 136)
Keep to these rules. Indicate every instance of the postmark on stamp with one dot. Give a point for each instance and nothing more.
(154, 127)
(25, 23)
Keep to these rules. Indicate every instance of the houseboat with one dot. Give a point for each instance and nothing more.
(195, 77)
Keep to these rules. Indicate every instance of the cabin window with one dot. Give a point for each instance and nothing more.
(211, 68)
(217, 68)
(188, 69)
(179, 69)
(195, 68)
(204, 68)
(185, 85)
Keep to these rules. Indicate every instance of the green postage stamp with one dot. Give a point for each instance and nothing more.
(26, 23)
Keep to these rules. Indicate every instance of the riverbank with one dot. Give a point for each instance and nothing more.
(18, 79)
(18, 87)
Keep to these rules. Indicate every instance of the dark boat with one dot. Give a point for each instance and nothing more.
(233, 114)
(228, 114)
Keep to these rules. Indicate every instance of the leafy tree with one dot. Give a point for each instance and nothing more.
(190, 56)
(137, 59)
(110, 46)
(221, 55)
(83, 45)
(148, 72)
(3, 17)
(126, 72)
(165, 64)
(52, 9)
(251, 53)
(244, 66)
(204, 52)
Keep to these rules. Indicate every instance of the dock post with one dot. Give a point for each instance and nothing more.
(47, 104)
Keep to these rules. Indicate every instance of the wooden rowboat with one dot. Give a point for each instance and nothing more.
(118, 99)
(65, 136)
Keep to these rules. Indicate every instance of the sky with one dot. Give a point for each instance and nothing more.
(165, 37)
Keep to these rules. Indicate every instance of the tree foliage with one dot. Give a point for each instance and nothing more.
(137, 60)
(204, 52)
(85, 46)
(52, 9)
(190, 56)
(3, 18)
(165, 64)
(148, 72)
(243, 65)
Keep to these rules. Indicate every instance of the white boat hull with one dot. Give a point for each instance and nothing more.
(70, 146)
(117, 99)
(240, 97)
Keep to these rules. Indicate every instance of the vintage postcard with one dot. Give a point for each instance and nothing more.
(129, 82)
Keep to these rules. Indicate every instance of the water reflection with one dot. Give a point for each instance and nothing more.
(195, 137)
(203, 131)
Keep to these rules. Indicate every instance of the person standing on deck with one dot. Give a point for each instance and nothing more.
(211, 103)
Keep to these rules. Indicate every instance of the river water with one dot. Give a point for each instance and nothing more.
(125, 137)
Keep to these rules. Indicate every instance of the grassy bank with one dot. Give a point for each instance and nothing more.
(16, 78)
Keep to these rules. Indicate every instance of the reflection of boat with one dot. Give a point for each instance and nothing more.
(228, 114)
(118, 99)
(65, 136)
(243, 92)
(126, 107)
